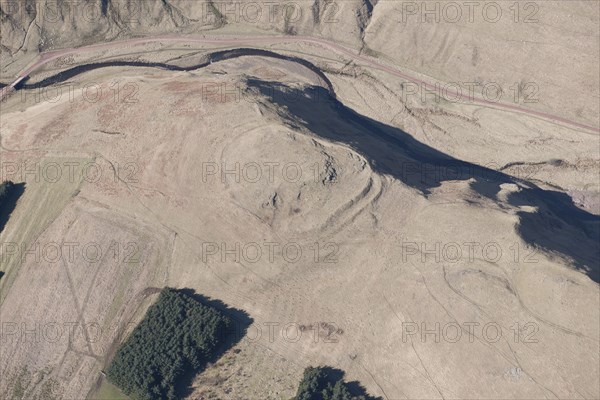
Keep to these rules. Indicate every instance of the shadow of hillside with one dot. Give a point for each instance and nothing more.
(558, 226)
(9, 195)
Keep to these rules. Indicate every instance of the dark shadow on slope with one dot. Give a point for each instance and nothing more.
(558, 226)
(104, 7)
(9, 195)
(388, 149)
(241, 321)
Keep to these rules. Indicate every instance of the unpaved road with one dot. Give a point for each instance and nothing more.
(45, 58)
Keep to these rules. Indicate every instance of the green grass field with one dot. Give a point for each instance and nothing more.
(108, 391)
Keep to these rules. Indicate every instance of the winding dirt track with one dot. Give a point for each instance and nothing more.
(45, 58)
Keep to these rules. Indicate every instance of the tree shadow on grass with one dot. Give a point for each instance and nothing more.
(334, 375)
(233, 334)
(354, 387)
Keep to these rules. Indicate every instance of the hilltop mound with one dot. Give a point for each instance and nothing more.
(347, 240)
